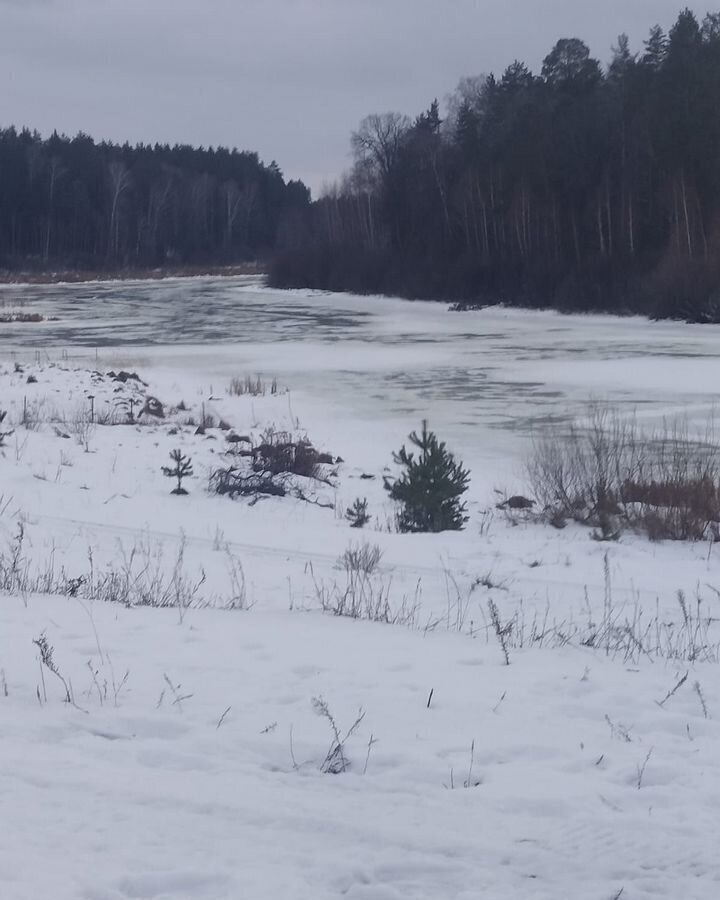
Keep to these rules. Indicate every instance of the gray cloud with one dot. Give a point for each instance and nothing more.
(288, 78)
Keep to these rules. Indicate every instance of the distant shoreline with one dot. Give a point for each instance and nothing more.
(74, 276)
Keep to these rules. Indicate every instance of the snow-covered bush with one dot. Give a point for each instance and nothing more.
(279, 464)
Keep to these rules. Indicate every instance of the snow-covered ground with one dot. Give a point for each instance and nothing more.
(191, 761)
(150, 795)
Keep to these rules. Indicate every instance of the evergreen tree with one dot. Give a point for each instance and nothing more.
(182, 469)
(77, 204)
(357, 514)
(569, 65)
(430, 488)
(655, 48)
(581, 188)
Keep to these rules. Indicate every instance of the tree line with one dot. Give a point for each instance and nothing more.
(581, 187)
(72, 203)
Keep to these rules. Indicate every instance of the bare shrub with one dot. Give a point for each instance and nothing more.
(278, 452)
(119, 413)
(238, 598)
(628, 632)
(362, 559)
(207, 419)
(144, 576)
(458, 600)
(254, 387)
(48, 661)
(609, 472)
(676, 495)
(235, 481)
(14, 568)
(336, 761)
(81, 425)
(18, 575)
(272, 467)
(574, 472)
(365, 592)
(502, 632)
(4, 434)
(37, 412)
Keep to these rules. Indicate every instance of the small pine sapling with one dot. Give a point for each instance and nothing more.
(182, 469)
(430, 488)
(357, 514)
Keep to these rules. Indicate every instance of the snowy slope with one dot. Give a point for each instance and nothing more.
(190, 764)
(145, 795)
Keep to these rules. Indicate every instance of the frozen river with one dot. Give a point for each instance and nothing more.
(379, 362)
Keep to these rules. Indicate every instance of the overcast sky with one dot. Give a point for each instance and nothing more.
(288, 78)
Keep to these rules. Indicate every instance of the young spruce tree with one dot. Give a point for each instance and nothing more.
(182, 469)
(430, 487)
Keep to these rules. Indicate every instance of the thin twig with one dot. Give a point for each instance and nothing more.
(701, 697)
(222, 717)
(292, 751)
(672, 691)
(641, 768)
(371, 743)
